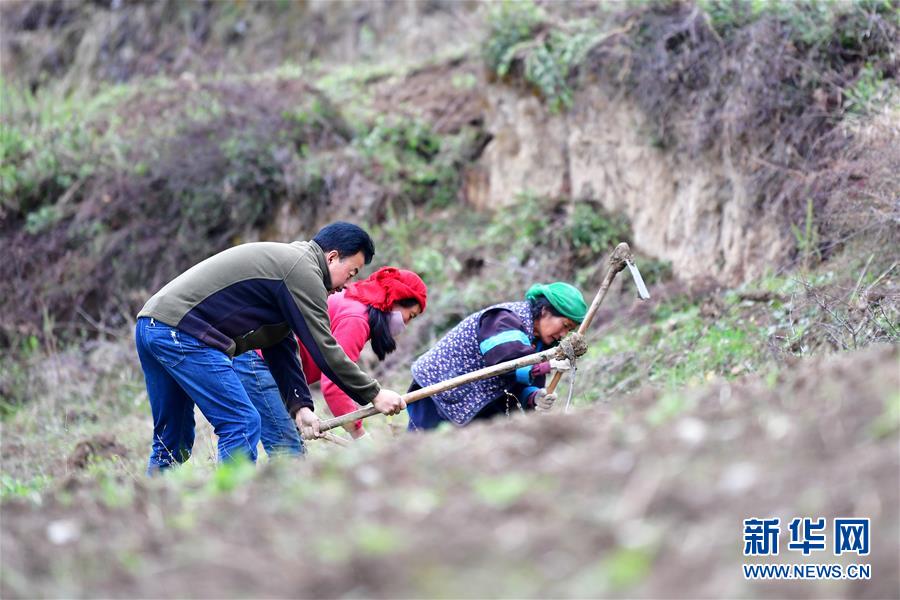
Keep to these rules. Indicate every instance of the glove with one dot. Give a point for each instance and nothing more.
(543, 401)
(560, 365)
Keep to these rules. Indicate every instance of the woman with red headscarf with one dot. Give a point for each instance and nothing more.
(376, 309)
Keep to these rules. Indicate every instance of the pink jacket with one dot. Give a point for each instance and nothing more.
(350, 327)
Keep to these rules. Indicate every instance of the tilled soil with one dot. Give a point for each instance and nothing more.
(643, 495)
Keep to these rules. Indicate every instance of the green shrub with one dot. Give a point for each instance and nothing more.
(519, 36)
(408, 156)
(575, 233)
(809, 23)
(809, 20)
(50, 144)
(869, 91)
(510, 22)
(11, 487)
(595, 229)
(550, 65)
(119, 192)
(41, 219)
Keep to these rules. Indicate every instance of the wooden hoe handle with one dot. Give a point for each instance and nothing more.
(498, 369)
(617, 261)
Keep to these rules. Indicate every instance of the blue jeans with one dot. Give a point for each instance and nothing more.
(181, 371)
(278, 431)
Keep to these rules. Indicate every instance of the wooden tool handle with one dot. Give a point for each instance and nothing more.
(617, 261)
(498, 369)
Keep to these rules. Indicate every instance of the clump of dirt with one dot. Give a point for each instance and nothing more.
(643, 495)
(100, 447)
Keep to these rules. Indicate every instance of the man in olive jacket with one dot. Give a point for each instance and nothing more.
(257, 295)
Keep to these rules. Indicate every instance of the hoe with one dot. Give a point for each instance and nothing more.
(618, 261)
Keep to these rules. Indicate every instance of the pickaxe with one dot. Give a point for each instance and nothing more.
(618, 260)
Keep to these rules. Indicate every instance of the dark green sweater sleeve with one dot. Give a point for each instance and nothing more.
(304, 301)
(288, 374)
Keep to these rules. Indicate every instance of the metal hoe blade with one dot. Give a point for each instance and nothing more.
(643, 294)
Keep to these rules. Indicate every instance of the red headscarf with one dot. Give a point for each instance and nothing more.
(386, 286)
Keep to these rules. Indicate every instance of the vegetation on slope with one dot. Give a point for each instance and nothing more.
(774, 90)
(105, 198)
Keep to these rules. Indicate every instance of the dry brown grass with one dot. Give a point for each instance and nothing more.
(769, 99)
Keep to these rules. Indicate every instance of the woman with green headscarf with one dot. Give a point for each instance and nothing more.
(488, 337)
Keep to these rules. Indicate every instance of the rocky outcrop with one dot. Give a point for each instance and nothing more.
(692, 211)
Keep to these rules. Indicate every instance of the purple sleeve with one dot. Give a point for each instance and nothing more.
(502, 337)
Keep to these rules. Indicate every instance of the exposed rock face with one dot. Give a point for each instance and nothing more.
(692, 211)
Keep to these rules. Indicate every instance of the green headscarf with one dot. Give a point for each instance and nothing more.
(565, 298)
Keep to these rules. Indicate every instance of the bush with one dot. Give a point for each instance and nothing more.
(765, 84)
(596, 230)
(870, 91)
(570, 236)
(522, 43)
(110, 198)
(48, 145)
(406, 155)
(510, 23)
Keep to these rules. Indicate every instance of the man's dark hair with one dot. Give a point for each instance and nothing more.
(347, 239)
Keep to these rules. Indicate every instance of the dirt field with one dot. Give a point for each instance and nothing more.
(750, 159)
(642, 495)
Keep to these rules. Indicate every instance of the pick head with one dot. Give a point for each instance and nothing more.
(643, 293)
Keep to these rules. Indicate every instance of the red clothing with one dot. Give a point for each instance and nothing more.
(350, 327)
(387, 285)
